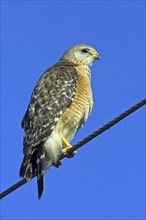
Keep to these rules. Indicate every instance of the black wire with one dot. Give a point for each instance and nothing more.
(82, 142)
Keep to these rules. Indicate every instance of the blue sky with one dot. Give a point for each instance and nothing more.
(106, 179)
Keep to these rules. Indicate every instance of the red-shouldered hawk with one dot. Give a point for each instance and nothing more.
(60, 104)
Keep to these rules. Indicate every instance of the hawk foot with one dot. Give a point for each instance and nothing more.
(70, 155)
(67, 147)
(57, 164)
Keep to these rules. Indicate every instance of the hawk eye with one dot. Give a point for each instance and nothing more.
(85, 50)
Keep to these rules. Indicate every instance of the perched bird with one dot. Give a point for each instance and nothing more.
(60, 104)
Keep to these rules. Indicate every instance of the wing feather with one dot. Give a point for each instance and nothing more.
(51, 96)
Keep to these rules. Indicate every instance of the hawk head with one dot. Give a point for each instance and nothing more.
(81, 54)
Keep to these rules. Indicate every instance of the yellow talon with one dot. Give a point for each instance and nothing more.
(68, 146)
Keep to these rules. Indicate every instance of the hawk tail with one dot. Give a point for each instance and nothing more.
(33, 160)
(26, 166)
(40, 170)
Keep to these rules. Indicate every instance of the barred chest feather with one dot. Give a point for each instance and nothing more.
(73, 118)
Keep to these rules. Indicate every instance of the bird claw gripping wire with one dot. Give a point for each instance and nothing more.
(69, 153)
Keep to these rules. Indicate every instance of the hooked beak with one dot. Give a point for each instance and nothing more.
(96, 56)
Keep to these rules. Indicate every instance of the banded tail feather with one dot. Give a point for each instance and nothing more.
(34, 160)
(26, 165)
(40, 163)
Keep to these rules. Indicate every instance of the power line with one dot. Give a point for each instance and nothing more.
(82, 142)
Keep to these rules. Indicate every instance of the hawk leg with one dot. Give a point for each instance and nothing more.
(67, 147)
